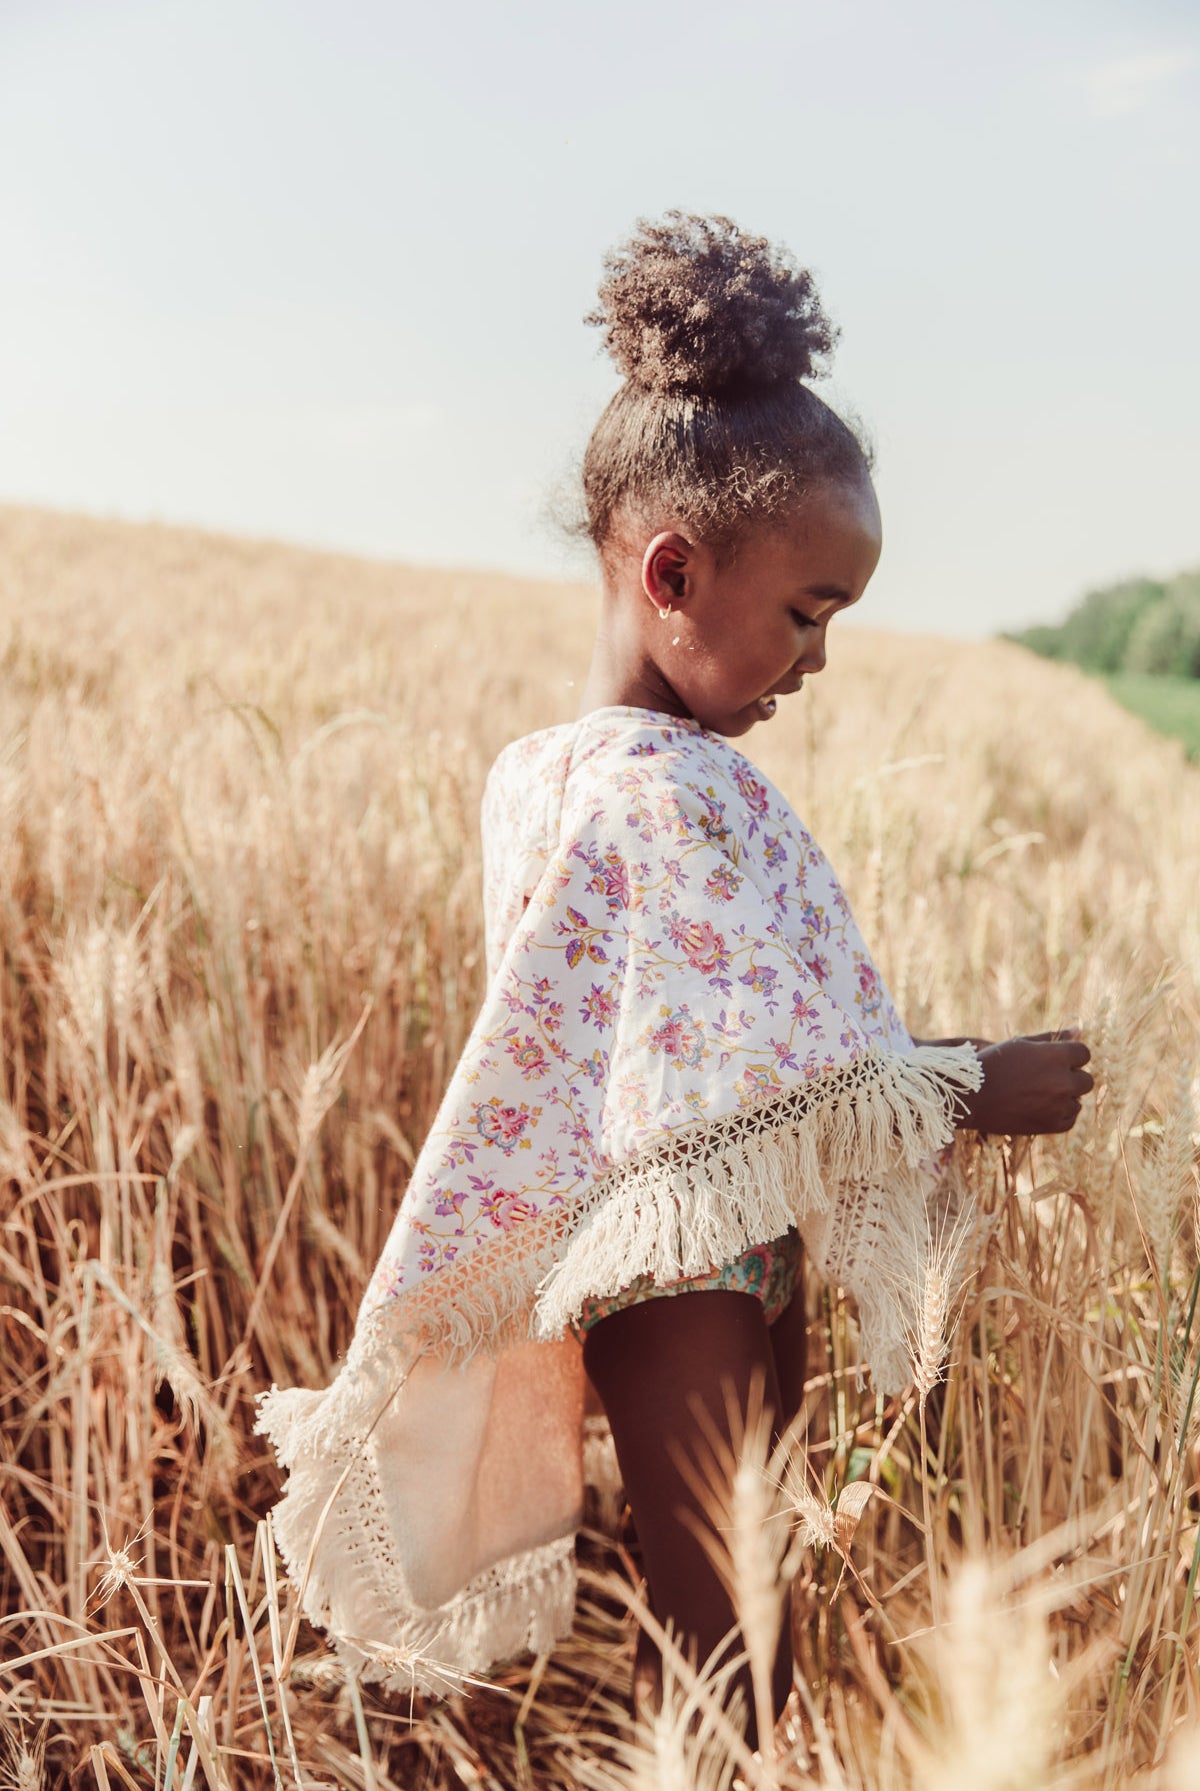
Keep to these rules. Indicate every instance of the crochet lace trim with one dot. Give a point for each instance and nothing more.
(827, 1155)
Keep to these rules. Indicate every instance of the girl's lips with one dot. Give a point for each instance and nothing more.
(768, 704)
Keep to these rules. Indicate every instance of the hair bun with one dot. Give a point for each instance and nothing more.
(694, 305)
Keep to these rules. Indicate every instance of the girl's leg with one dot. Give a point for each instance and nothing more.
(651, 1364)
(789, 1346)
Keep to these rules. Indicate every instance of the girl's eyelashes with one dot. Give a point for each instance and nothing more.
(798, 616)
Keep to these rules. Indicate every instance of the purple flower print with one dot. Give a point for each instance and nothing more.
(731, 1027)
(773, 850)
(547, 1012)
(584, 940)
(712, 822)
(760, 979)
(814, 921)
(722, 884)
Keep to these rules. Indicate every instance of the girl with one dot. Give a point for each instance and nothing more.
(685, 1058)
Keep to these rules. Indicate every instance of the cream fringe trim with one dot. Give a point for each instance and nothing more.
(332, 1531)
(715, 1190)
(831, 1155)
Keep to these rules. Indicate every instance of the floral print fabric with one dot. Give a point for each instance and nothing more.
(666, 942)
(684, 1052)
(768, 1271)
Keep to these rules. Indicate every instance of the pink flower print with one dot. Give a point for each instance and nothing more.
(611, 880)
(597, 1006)
(700, 943)
(805, 1013)
(504, 1126)
(631, 1099)
(670, 814)
(506, 1209)
(819, 965)
(754, 793)
(528, 1056)
(870, 995)
(755, 1085)
(722, 884)
(679, 1037)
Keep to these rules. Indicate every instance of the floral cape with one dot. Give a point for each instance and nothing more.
(684, 1049)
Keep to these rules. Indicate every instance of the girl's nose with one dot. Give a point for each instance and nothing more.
(813, 657)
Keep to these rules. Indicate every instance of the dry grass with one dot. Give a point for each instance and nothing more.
(238, 797)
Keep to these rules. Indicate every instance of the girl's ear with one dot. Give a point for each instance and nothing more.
(668, 569)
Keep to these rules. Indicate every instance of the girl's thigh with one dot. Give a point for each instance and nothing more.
(653, 1365)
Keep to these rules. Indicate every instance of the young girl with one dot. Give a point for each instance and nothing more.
(685, 1059)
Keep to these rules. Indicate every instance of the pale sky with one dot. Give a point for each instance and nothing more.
(316, 269)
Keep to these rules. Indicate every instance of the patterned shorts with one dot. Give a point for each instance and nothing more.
(768, 1271)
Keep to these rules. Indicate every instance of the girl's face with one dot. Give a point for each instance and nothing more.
(743, 634)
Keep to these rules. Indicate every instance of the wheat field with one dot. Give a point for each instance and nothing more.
(239, 950)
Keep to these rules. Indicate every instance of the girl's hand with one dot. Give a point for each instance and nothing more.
(1030, 1085)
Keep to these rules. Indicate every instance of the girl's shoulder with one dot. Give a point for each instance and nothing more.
(577, 760)
(607, 755)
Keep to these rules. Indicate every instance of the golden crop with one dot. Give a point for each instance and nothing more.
(239, 950)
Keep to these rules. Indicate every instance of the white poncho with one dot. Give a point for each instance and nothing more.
(684, 1049)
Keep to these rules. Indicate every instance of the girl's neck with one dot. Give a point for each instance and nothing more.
(621, 676)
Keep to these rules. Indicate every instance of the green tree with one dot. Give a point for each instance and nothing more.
(1165, 638)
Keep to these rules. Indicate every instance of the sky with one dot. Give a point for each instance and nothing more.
(316, 269)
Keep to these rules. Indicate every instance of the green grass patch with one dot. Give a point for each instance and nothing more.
(1171, 705)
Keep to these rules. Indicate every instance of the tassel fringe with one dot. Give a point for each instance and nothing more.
(332, 1531)
(714, 1191)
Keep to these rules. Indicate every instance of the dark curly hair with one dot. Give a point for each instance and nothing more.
(714, 332)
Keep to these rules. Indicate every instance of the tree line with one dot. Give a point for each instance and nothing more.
(1141, 625)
